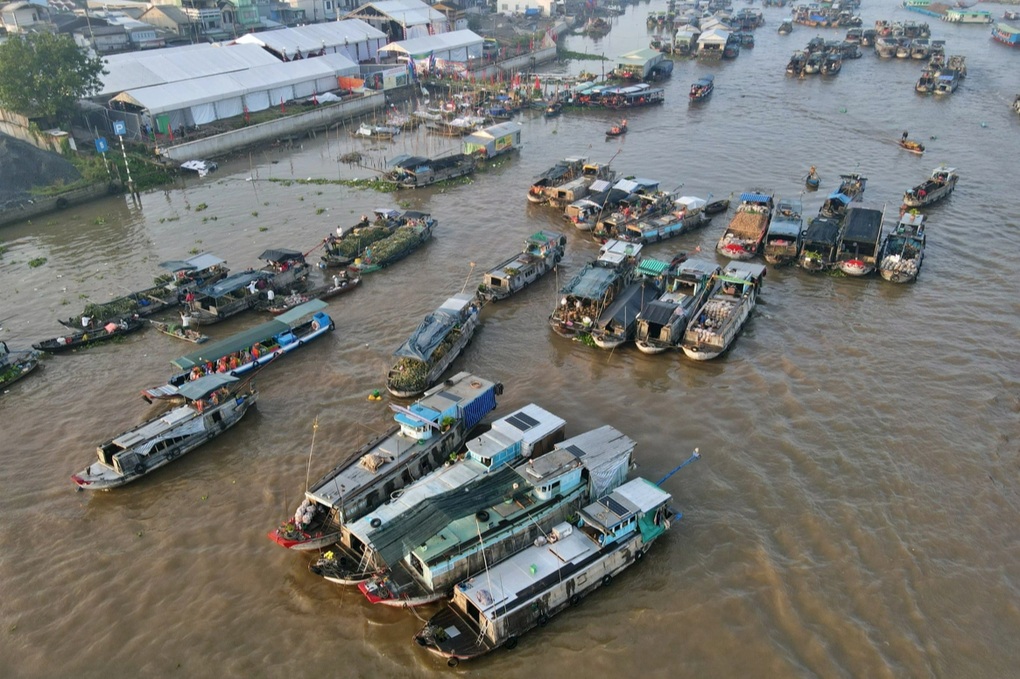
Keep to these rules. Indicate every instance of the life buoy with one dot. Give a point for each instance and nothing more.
(510, 644)
(375, 522)
(575, 599)
(315, 325)
(482, 516)
(607, 580)
(640, 555)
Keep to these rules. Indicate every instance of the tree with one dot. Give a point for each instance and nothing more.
(44, 75)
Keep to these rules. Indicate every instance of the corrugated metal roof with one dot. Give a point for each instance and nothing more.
(652, 267)
(440, 42)
(313, 37)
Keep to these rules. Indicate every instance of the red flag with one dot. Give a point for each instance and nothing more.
(282, 110)
(170, 131)
(246, 116)
(315, 98)
(538, 83)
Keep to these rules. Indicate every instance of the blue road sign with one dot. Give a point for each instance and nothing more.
(101, 145)
(119, 128)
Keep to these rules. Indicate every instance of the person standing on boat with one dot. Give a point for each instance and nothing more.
(904, 137)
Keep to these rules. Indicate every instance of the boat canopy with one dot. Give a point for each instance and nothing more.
(822, 230)
(433, 329)
(281, 255)
(406, 161)
(754, 197)
(591, 283)
(199, 262)
(863, 225)
(652, 267)
(231, 283)
(691, 202)
(624, 310)
(635, 184)
(205, 385)
(214, 351)
(659, 312)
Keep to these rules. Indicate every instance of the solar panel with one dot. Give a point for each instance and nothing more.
(448, 396)
(575, 450)
(522, 421)
(614, 506)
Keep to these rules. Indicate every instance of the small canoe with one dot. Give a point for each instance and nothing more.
(812, 181)
(717, 206)
(617, 130)
(912, 146)
(89, 336)
(179, 331)
(323, 292)
(18, 368)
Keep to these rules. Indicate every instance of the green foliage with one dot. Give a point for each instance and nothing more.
(43, 75)
(37, 262)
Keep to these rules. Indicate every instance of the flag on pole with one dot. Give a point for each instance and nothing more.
(282, 109)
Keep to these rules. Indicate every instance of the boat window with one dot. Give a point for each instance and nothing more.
(417, 564)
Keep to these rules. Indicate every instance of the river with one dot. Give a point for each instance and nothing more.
(854, 513)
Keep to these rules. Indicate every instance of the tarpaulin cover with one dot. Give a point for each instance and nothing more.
(863, 225)
(625, 308)
(658, 312)
(591, 282)
(430, 334)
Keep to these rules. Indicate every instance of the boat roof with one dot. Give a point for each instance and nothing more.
(282, 255)
(199, 262)
(652, 267)
(943, 168)
(544, 237)
(692, 202)
(637, 496)
(350, 477)
(705, 80)
(822, 230)
(698, 267)
(205, 385)
(591, 282)
(912, 219)
(616, 251)
(627, 305)
(213, 351)
(606, 453)
(231, 283)
(741, 270)
(156, 427)
(527, 425)
(659, 311)
(406, 161)
(635, 184)
(755, 197)
(862, 224)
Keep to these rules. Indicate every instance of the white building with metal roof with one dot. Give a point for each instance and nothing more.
(406, 19)
(353, 38)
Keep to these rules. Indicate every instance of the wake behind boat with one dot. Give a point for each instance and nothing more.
(248, 349)
(210, 408)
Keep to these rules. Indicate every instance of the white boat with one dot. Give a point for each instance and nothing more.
(377, 131)
(903, 250)
(427, 433)
(433, 346)
(211, 407)
(494, 608)
(662, 323)
(199, 167)
(939, 185)
(721, 318)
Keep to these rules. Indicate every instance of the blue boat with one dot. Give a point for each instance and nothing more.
(702, 88)
(248, 349)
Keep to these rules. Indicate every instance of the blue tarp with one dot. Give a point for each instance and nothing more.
(477, 409)
(841, 197)
(755, 198)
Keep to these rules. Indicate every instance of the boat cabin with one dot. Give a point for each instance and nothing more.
(229, 295)
(202, 269)
(782, 242)
(493, 141)
(818, 246)
(862, 235)
(662, 323)
(286, 268)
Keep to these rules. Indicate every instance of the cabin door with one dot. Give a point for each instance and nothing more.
(474, 613)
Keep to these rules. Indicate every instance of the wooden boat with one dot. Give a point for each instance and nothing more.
(785, 28)
(426, 433)
(903, 249)
(553, 109)
(819, 243)
(702, 88)
(724, 313)
(376, 131)
(812, 181)
(938, 186)
(615, 221)
(227, 297)
(285, 270)
(745, 235)
(542, 251)
(662, 323)
(860, 243)
(1006, 34)
(248, 349)
(414, 172)
(594, 178)
(339, 284)
(624, 199)
(15, 365)
(594, 287)
(433, 346)
(179, 330)
(947, 81)
(404, 240)
(212, 405)
(86, 337)
(341, 249)
(617, 324)
(548, 489)
(481, 477)
(926, 83)
(795, 66)
(782, 241)
(562, 172)
(714, 207)
(911, 145)
(494, 608)
(619, 129)
(851, 189)
(832, 64)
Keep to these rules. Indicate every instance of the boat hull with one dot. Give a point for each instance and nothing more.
(25, 368)
(467, 331)
(650, 349)
(855, 267)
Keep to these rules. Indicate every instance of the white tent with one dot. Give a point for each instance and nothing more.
(455, 46)
(134, 70)
(203, 100)
(353, 38)
(714, 36)
(415, 17)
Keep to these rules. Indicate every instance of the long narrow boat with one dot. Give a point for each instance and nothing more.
(341, 283)
(15, 365)
(433, 346)
(480, 478)
(180, 331)
(903, 250)
(86, 337)
(168, 291)
(342, 249)
(851, 189)
(662, 323)
(542, 251)
(211, 407)
(723, 315)
(427, 433)
(412, 172)
(248, 349)
(562, 172)
(404, 240)
(493, 609)
(861, 242)
(745, 234)
(594, 288)
(550, 488)
(688, 214)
